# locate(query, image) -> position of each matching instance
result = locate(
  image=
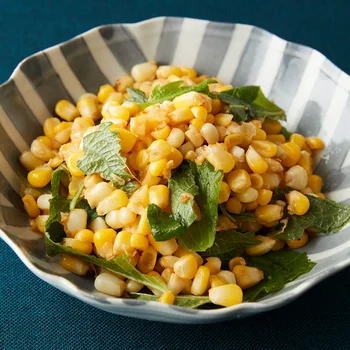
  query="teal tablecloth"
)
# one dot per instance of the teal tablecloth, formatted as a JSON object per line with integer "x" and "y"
{"x": 34, "y": 315}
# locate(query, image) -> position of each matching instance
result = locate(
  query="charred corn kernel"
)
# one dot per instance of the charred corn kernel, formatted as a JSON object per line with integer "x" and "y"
{"x": 85, "y": 235}
{"x": 188, "y": 100}
{"x": 132, "y": 286}
{"x": 267, "y": 149}
{"x": 278, "y": 139}
{"x": 292, "y": 154}
{"x": 238, "y": 260}
{"x": 274, "y": 165}
{"x": 97, "y": 224}
{"x": 189, "y": 72}
{"x": 298, "y": 243}
{"x": 75, "y": 265}
{"x": 265, "y": 245}
{"x": 148, "y": 179}
{"x": 220, "y": 159}
{"x": 176, "y": 157}
{"x": 306, "y": 161}
{"x": 181, "y": 251}
{"x": 223, "y": 119}
{"x": 264, "y": 196}
{"x": 227, "y": 276}
{"x": 40, "y": 222}
{"x": 30, "y": 206}
{"x": 167, "y": 247}
{"x": 41, "y": 151}
{"x": 159, "y": 195}
{"x": 250, "y": 194}
{"x": 77, "y": 221}
{"x": 147, "y": 260}
{"x": 210, "y": 118}
{"x": 103, "y": 236}
{"x": 97, "y": 193}
{"x": 104, "y": 92}
{"x": 257, "y": 181}
{"x": 122, "y": 243}
{"x": 234, "y": 206}
{"x": 179, "y": 116}
{"x": 216, "y": 281}
{"x": 233, "y": 140}
{"x": 247, "y": 276}
{"x": 271, "y": 180}
{"x": 157, "y": 168}
{"x": 298, "y": 203}
{"x": 114, "y": 201}
{"x": 158, "y": 149}
{"x": 167, "y": 298}
{"x": 82, "y": 247}
{"x": 164, "y": 72}
{"x": 315, "y": 183}
{"x": 110, "y": 284}
{"x": 43, "y": 201}
{"x": 298, "y": 140}
{"x": 227, "y": 295}
{"x": 199, "y": 113}
{"x": 127, "y": 139}
{"x": 251, "y": 205}
{"x": 238, "y": 180}
{"x": 210, "y": 133}
{"x": 72, "y": 163}
{"x": 296, "y": 177}
{"x": 260, "y": 135}
{"x": 271, "y": 127}
{"x": 198, "y": 124}
{"x": 123, "y": 82}
{"x": 213, "y": 264}
{"x": 176, "y": 138}
{"x": 49, "y": 127}
{"x": 176, "y": 284}
{"x": 29, "y": 161}
{"x": 139, "y": 200}
{"x": 40, "y": 176}
{"x": 224, "y": 192}
{"x": 255, "y": 161}
{"x": 143, "y": 227}
{"x": 144, "y": 71}
{"x": 87, "y": 106}
{"x": 193, "y": 135}
{"x": 314, "y": 143}
{"x": 269, "y": 213}
{"x": 201, "y": 281}
{"x": 186, "y": 266}
{"x": 161, "y": 134}
{"x": 66, "y": 110}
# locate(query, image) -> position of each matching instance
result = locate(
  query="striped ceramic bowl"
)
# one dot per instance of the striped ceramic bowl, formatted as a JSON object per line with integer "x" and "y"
{"x": 313, "y": 91}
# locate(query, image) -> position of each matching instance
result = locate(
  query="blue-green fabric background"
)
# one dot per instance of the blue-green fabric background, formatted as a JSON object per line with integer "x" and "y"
{"x": 34, "y": 315}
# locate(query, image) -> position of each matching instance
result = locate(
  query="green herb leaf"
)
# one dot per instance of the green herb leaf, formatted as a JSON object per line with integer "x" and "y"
{"x": 324, "y": 216}
{"x": 250, "y": 217}
{"x": 102, "y": 155}
{"x": 287, "y": 134}
{"x": 249, "y": 102}
{"x": 76, "y": 197}
{"x": 279, "y": 269}
{"x": 121, "y": 264}
{"x": 230, "y": 240}
{"x": 136, "y": 95}
{"x": 162, "y": 224}
{"x": 201, "y": 234}
{"x": 92, "y": 214}
{"x": 56, "y": 178}
{"x": 187, "y": 301}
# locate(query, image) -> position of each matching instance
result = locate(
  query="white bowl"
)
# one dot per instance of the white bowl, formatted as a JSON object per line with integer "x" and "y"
{"x": 313, "y": 91}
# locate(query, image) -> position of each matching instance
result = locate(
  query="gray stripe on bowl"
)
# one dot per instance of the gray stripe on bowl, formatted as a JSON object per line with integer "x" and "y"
{"x": 80, "y": 60}
{"x": 168, "y": 41}
{"x": 337, "y": 179}
{"x": 134, "y": 302}
{"x": 123, "y": 45}
{"x": 15, "y": 217}
{"x": 18, "y": 111}
{"x": 9, "y": 150}
{"x": 249, "y": 67}
{"x": 9, "y": 193}
{"x": 213, "y": 47}
{"x": 45, "y": 80}
{"x": 289, "y": 75}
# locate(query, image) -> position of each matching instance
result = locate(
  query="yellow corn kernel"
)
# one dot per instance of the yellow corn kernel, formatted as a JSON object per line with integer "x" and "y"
{"x": 143, "y": 227}
{"x": 41, "y": 151}
{"x": 296, "y": 177}
{"x": 168, "y": 261}
{"x": 251, "y": 206}
{"x": 215, "y": 281}
{"x": 277, "y": 139}
{"x": 274, "y": 165}
{"x": 315, "y": 183}
{"x": 144, "y": 71}
{"x": 220, "y": 159}
{"x": 82, "y": 247}
{"x": 260, "y": 135}
{"x": 224, "y": 193}
{"x": 165, "y": 247}
{"x": 213, "y": 264}
{"x": 292, "y": 154}
{"x": 264, "y": 196}
{"x": 74, "y": 264}
{"x": 139, "y": 241}
{"x": 148, "y": 179}
{"x": 46, "y": 141}
{"x": 167, "y": 298}
{"x": 223, "y": 119}
{"x": 210, "y": 118}
{"x": 227, "y": 295}
{"x": 181, "y": 251}
{"x": 159, "y": 195}
{"x": 49, "y": 127}
{"x": 271, "y": 127}
{"x": 298, "y": 140}
{"x": 238, "y": 260}
{"x": 269, "y": 213}
{"x": 189, "y": 72}
{"x": 193, "y": 135}
{"x": 158, "y": 149}
{"x": 122, "y": 244}
{"x": 164, "y": 72}
{"x": 314, "y": 143}
{"x": 29, "y": 161}
{"x": 233, "y": 140}
{"x": 234, "y": 206}
{"x": 306, "y": 161}
{"x": 142, "y": 159}
{"x": 40, "y": 222}
{"x": 62, "y": 132}
{"x": 257, "y": 181}
{"x": 74, "y": 185}
{"x": 157, "y": 168}
{"x": 147, "y": 260}
{"x": 298, "y": 203}
{"x": 72, "y": 163}
{"x": 161, "y": 134}
{"x": 186, "y": 266}
{"x": 55, "y": 162}
{"x": 266, "y": 149}
{"x": 139, "y": 200}
{"x": 127, "y": 139}
{"x": 250, "y": 194}
{"x": 247, "y": 276}
{"x": 197, "y": 123}
{"x": 66, "y": 110}
{"x": 40, "y": 177}
{"x": 201, "y": 281}
{"x": 271, "y": 180}
{"x": 321, "y": 195}
{"x": 176, "y": 284}
{"x": 138, "y": 126}
{"x": 103, "y": 236}
{"x": 179, "y": 116}
{"x": 115, "y": 200}
{"x": 265, "y": 245}
{"x": 104, "y": 92}
{"x": 238, "y": 180}
{"x": 87, "y": 106}
{"x": 188, "y": 100}
{"x": 298, "y": 243}
{"x": 85, "y": 235}
{"x": 255, "y": 161}
{"x": 31, "y": 206}
{"x": 216, "y": 106}
{"x": 123, "y": 82}
{"x": 199, "y": 113}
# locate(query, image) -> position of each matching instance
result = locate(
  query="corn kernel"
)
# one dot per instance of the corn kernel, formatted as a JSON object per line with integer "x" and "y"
{"x": 147, "y": 260}
{"x": 247, "y": 276}
{"x": 167, "y": 298}
{"x": 298, "y": 243}
{"x": 161, "y": 134}
{"x": 220, "y": 159}
{"x": 277, "y": 139}
{"x": 315, "y": 183}
{"x": 72, "y": 163}
{"x": 256, "y": 163}
{"x": 201, "y": 281}
{"x": 238, "y": 260}
{"x": 103, "y": 236}
{"x": 85, "y": 236}
{"x": 269, "y": 213}
{"x": 167, "y": 247}
{"x": 264, "y": 196}
{"x": 159, "y": 195}
{"x": 314, "y": 143}
{"x": 234, "y": 206}
{"x": 227, "y": 295}
{"x": 82, "y": 247}
{"x": 238, "y": 180}
{"x": 40, "y": 177}
{"x": 298, "y": 203}
{"x": 127, "y": 139}
{"x": 75, "y": 265}
{"x": 271, "y": 127}
{"x": 31, "y": 206}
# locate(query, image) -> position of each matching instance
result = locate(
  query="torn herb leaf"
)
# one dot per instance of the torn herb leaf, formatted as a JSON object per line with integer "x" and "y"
{"x": 245, "y": 216}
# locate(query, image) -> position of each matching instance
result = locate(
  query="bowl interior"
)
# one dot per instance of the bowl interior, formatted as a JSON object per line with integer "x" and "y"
{"x": 313, "y": 91}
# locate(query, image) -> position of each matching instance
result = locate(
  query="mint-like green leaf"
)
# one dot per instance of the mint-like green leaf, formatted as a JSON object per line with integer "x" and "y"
{"x": 57, "y": 176}
{"x": 136, "y": 95}
{"x": 102, "y": 155}
{"x": 76, "y": 197}
{"x": 187, "y": 301}
{"x": 92, "y": 214}
{"x": 245, "y": 216}
{"x": 324, "y": 216}
{"x": 162, "y": 224}
{"x": 121, "y": 264}
{"x": 279, "y": 269}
